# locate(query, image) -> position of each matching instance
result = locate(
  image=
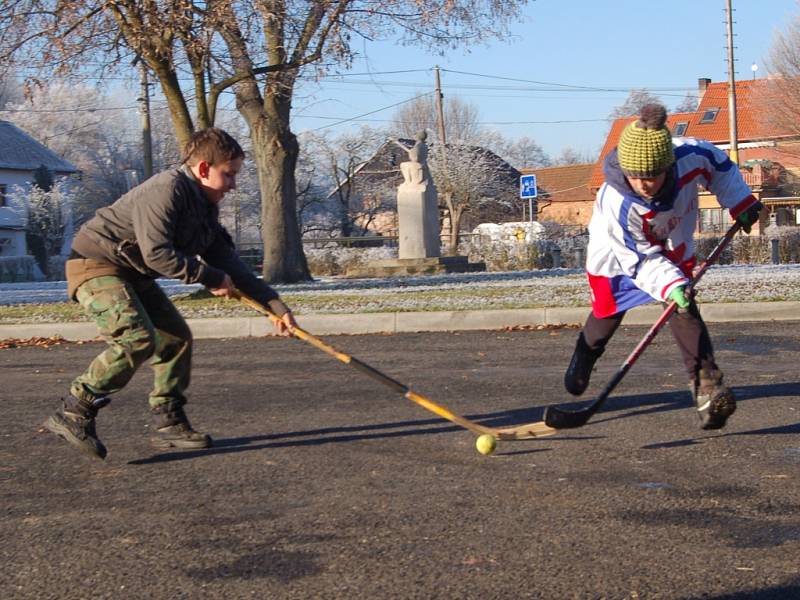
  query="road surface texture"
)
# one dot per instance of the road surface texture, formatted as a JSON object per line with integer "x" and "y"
{"x": 326, "y": 484}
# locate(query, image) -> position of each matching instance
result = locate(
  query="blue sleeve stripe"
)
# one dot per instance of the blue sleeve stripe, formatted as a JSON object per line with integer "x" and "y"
{"x": 602, "y": 194}
{"x": 686, "y": 149}
{"x": 623, "y": 221}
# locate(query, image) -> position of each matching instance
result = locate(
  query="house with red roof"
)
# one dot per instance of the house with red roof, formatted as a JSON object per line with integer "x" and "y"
{"x": 768, "y": 151}
{"x": 563, "y": 194}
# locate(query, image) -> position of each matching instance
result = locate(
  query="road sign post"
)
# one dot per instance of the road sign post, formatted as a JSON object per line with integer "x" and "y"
{"x": 527, "y": 189}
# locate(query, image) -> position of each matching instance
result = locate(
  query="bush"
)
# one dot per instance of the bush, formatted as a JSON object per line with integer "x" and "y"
{"x": 756, "y": 249}
{"x": 19, "y": 268}
{"x": 55, "y": 268}
{"x": 526, "y": 256}
{"x": 336, "y": 261}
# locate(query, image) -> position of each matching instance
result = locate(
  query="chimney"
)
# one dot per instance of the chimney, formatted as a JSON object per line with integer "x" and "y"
{"x": 702, "y": 85}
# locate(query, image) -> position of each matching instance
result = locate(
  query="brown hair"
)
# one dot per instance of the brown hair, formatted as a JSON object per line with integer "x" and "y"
{"x": 212, "y": 145}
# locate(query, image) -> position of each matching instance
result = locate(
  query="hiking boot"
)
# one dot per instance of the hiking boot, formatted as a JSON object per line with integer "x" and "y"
{"x": 576, "y": 379}
{"x": 715, "y": 402}
{"x": 74, "y": 423}
{"x": 173, "y": 429}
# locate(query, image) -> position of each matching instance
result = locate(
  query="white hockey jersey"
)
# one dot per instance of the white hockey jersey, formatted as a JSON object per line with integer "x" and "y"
{"x": 641, "y": 250}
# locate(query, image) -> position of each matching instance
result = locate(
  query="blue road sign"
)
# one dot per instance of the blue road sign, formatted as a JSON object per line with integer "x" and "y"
{"x": 527, "y": 186}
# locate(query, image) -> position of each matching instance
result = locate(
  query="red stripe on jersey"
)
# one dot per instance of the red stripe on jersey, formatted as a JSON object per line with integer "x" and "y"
{"x": 666, "y": 287}
{"x": 742, "y": 206}
{"x": 676, "y": 254}
{"x": 695, "y": 173}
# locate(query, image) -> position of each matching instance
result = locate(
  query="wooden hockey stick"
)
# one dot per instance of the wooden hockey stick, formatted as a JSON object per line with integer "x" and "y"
{"x": 561, "y": 418}
{"x": 519, "y": 432}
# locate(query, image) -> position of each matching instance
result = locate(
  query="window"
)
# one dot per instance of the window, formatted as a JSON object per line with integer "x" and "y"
{"x": 709, "y": 115}
{"x": 714, "y": 220}
{"x": 2, "y": 195}
{"x": 680, "y": 128}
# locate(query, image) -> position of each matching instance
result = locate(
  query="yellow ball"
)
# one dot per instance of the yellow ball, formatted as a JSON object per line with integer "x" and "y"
{"x": 486, "y": 444}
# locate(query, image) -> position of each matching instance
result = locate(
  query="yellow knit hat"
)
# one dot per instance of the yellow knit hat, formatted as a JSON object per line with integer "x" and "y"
{"x": 645, "y": 146}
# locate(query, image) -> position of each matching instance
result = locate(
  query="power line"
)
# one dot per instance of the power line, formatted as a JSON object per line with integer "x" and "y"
{"x": 568, "y": 85}
{"x": 368, "y": 73}
{"x": 372, "y": 112}
{"x": 66, "y": 110}
{"x": 459, "y": 123}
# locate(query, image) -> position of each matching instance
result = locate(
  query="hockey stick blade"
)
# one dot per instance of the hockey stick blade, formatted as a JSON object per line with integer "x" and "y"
{"x": 559, "y": 418}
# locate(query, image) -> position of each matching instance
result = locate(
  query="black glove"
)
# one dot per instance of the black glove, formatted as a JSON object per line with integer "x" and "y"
{"x": 750, "y": 216}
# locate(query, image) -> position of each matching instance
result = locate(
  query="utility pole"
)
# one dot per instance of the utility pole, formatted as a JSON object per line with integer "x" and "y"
{"x": 448, "y": 190}
{"x": 439, "y": 107}
{"x": 144, "y": 107}
{"x": 734, "y": 135}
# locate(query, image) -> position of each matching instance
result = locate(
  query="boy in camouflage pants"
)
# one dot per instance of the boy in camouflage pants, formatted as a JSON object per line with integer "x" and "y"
{"x": 166, "y": 227}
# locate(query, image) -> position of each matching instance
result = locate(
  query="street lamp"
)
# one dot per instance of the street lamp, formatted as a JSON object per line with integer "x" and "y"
{"x": 754, "y": 68}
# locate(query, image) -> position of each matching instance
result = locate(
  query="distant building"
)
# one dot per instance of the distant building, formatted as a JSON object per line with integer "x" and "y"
{"x": 769, "y": 152}
{"x": 20, "y": 156}
{"x": 769, "y": 159}
{"x": 563, "y": 194}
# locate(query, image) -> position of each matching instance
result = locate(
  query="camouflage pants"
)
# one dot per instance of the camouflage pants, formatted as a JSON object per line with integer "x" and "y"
{"x": 138, "y": 322}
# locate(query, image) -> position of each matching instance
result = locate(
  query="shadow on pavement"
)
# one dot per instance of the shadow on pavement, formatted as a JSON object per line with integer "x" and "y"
{"x": 681, "y": 399}
{"x": 329, "y": 435}
{"x": 748, "y": 393}
{"x": 788, "y": 590}
{"x": 659, "y": 402}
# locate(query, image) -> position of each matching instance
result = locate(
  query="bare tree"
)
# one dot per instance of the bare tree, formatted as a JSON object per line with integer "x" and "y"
{"x": 571, "y": 156}
{"x": 636, "y": 99}
{"x": 784, "y": 86}
{"x": 688, "y": 104}
{"x": 46, "y": 205}
{"x": 257, "y": 48}
{"x": 10, "y": 88}
{"x": 460, "y": 119}
{"x": 350, "y": 204}
{"x": 93, "y": 130}
{"x": 476, "y": 179}
{"x": 521, "y": 152}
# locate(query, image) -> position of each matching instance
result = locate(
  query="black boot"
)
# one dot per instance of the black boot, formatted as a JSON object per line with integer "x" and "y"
{"x": 576, "y": 379}
{"x": 715, "y": 402}
{"x": 173, "y": 429}
{"x": 74, "y": 423}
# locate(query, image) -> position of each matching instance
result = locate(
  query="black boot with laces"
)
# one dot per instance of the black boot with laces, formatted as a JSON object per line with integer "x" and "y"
{"x": 173, "y": 429}
{"x": 715, "y": 402}
{"x": 74, "y": 423}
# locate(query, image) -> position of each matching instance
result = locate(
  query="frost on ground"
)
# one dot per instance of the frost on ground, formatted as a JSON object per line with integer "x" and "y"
{"x": 466, "y": 291}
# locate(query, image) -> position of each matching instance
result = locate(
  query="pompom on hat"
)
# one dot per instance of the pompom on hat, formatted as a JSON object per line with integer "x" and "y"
{"x": 645, "y": 146}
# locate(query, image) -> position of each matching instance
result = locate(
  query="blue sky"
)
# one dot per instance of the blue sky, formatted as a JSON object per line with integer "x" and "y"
{"x": 621, "y": 44}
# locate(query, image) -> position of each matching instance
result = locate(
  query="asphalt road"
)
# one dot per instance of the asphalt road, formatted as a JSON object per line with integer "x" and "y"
{"x": 325, "y": 484}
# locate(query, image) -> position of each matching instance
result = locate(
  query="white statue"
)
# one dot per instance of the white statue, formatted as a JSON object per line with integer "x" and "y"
{"x": 415, "y": 169}
{"x": 417, "y": 205}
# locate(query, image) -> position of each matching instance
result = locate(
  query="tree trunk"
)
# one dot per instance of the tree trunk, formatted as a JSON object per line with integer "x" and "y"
{"x": 276, "y": 150}
{"x": 455, "y": 224}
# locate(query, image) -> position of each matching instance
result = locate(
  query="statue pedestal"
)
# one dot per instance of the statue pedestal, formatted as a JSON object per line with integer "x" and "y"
{"x": 404, "y": 267}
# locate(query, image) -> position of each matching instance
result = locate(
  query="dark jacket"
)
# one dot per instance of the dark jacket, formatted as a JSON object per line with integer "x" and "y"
{"x": 166, "y": 227}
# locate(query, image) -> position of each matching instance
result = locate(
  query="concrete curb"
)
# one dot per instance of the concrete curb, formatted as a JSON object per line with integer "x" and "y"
{"x": 397, "y": 322}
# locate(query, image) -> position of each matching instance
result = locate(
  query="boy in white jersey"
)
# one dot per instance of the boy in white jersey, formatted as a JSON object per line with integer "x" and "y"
{"x": 641, "y": 248}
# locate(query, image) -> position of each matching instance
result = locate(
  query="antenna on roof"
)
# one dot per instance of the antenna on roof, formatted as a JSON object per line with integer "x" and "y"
{"x": 734, "y": 136}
